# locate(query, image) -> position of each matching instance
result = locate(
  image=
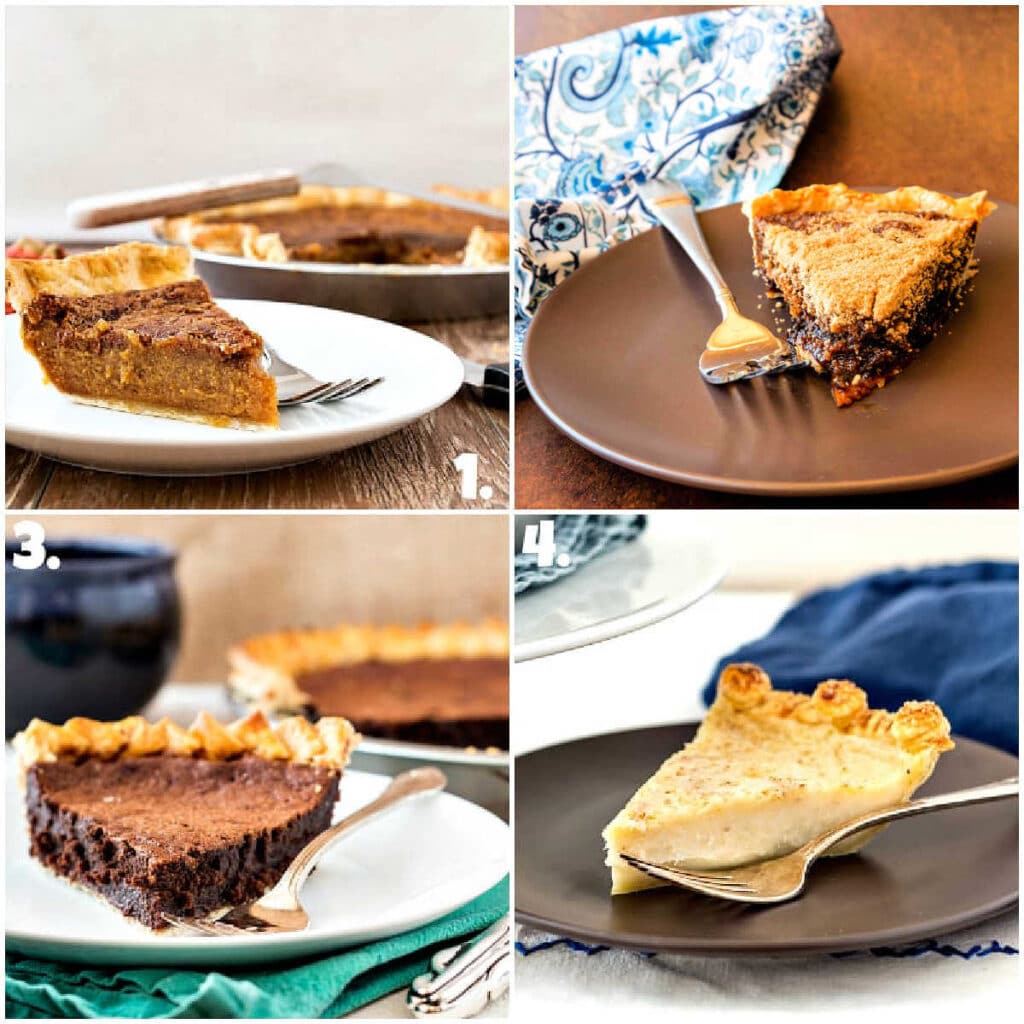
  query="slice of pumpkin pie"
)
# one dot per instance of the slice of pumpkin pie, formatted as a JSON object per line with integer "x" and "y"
{"x": 132, "y": 328}
{"x": 868, "y": 278}
{"x": 768, "y": 771}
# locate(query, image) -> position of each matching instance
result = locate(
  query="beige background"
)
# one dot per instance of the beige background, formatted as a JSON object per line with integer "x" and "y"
{"x": 241, "y": 574}
{"x": 116, "y": 97}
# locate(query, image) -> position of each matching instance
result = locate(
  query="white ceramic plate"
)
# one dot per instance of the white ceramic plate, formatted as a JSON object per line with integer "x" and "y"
{"x": 419, "y": 374}
{"x": 642, "y": 582}
{"x": 419, "y": 863}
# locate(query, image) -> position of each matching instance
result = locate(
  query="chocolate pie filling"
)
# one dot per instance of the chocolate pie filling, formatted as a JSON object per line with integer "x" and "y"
{"x": 453, "y": 701}
{"x": 177, "y": 835}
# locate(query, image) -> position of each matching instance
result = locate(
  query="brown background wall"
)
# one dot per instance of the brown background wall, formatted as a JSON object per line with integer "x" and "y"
{"x": 240, "y": 575}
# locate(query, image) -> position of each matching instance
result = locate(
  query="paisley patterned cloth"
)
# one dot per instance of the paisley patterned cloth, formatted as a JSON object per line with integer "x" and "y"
{"x": 717, "y": 102}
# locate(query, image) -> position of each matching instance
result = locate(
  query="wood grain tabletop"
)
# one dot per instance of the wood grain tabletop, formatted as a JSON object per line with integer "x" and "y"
{"x": 411, "y": 469}
{"x": 922, "y": 95}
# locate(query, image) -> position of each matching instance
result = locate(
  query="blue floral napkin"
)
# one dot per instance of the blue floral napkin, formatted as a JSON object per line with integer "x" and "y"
{"x": 948, "y": 633}
{"x": 717, "y": 102}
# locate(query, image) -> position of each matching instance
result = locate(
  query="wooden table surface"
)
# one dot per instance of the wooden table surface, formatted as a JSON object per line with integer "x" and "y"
{"x": 411, "y": 469}
{"x": 921, "y": 95}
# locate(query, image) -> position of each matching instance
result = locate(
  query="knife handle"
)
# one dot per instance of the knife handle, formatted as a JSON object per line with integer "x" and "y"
{"x": 496, "y": 386}
{"x": 183, "y": 197}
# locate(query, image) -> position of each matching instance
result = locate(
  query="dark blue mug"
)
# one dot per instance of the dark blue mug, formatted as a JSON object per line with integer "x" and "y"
{"x": 96, "y": 636}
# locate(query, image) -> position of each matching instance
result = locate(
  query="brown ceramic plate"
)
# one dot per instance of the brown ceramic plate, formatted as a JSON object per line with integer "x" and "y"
{"x": 611, "y": 358}
{"x": 923, "y": 877}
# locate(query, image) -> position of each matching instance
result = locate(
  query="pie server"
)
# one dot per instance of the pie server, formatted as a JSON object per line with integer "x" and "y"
{"x": 190, "y": 196}
{"x": 739, "y": 348}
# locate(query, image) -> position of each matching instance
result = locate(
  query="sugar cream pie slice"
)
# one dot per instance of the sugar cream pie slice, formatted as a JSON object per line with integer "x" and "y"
{"x": 350, "y": 225}
{"x": 868, "y": 278}
{"x": 132, "y": 328}
{"x": 157, "y": 819}
{"x": 769, "y": 770}
{"x": 444, "y": 684}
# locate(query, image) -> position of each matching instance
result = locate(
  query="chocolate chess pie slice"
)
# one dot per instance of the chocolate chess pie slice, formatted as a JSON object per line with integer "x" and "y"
{"x": 440, "y": 684}
{"x": 350, "y": 225}
{"x": 768, "y": 771}
{"x": 157, "y": 819}
{"x": 132, "y": 328}
{"x": 868, "y": 278}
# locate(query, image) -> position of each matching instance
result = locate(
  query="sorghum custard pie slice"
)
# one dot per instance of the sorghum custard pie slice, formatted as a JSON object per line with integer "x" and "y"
{"x": 868, "y": 278}
{"x": 443, "y": 684}
{"x": 132, "y": 328}
{"x": 350, "y": 225}
{"x": 157, "y": 819}
{"x": 769, "y": 770}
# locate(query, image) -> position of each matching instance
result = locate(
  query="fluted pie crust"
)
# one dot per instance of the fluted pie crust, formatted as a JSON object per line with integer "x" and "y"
{"x": 434, "y": 683}
{"x": 868, "y": 278}
{"x": 769, "y": 770}
{"x": 329, "y": 742}
{"x": 132, "y": 328}
{"x": 350, "y": 225}
{"x": 160, "y": 820}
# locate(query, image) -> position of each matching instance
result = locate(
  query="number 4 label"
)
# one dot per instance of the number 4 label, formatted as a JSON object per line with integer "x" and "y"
{"x": 539, "y": 540}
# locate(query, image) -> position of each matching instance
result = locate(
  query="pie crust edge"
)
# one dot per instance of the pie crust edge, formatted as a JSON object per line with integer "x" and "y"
{"x": 827, "y": 198}
{"x": 242, "y": 238}
{"x": 328, "y": 743}
{"x": 127, "y": 267}
{"x": 264, "y": 669}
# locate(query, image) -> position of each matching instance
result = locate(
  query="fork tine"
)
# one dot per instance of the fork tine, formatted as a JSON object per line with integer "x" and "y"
{"x": 337, "y": 390}
{"x": 312, "y": 395}
{"x": 349, "y": 389}
{"x": 195, "y": 925}
{"x": 725, "y": 888}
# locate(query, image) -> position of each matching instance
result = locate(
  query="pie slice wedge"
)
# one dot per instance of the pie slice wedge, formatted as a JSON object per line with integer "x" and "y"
{"x": 158, "y": 819}
{"x": 868, "y": 278}
{"x": 442, "y": 684}
{"x": 132, "y": 328}
{"x": 769, "y": 770}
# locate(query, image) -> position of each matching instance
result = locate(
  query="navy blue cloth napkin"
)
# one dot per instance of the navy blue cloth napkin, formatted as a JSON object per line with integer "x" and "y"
{"x": 947, "y": 634}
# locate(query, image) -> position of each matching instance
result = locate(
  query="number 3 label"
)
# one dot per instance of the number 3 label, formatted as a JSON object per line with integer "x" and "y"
{"x": 33, "y": 547}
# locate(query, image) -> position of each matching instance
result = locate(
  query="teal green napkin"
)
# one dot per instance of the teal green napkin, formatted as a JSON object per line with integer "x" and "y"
{"x": 328, "y": 986}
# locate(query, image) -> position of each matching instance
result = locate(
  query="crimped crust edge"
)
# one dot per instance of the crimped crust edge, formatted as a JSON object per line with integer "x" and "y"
{"x": 917, "y": 727}
{"x": 328, "y": 743}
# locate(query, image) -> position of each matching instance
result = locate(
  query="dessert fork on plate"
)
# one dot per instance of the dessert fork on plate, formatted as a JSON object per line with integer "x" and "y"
{"x": 296, "y": 387}
{"x": 739, "y": 348}
{"x": 280, "y": 909}
{"x": 780, "y": 879}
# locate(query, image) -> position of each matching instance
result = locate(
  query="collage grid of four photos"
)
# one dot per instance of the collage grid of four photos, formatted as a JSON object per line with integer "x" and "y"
{"x": 511, "y": 511}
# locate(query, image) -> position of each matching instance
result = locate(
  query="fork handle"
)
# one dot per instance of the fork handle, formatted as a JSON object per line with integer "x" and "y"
{"x": 673, "y": 207}
{"x": 1003, "y": 790}
{"x": 402, "y": 787}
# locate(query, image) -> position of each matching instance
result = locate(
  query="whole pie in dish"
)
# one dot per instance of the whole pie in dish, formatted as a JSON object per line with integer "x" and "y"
{"x": 440, "y": 684}
{"x": 132, "y": 328}
{"x": 349, "y": 225}
{"x": 768, "y": 771}
{"x": 869, "y": 278}
{"x": 159, "y": 820}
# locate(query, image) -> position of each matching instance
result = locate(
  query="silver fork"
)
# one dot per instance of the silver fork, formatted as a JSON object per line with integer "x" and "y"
{"x": 774, "y": 881}
{"x": 280, "y": 909}
{"x": 463, "y": 979}
{"x": 739, "y": 348}
{"x": 296, "y": 387}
